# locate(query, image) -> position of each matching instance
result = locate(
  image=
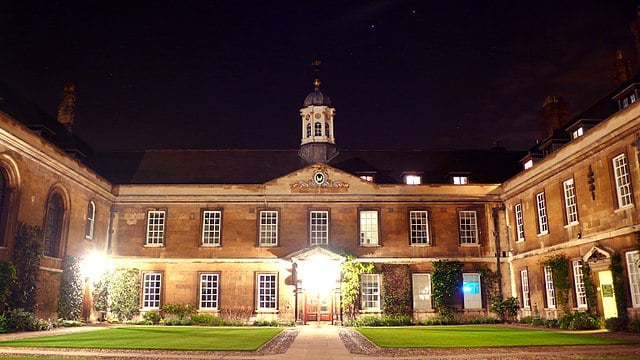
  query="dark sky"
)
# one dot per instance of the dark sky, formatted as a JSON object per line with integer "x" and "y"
{"x": 401, "y": 74}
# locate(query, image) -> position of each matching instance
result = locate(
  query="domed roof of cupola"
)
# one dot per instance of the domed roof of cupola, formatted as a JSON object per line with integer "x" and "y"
{"x": 316, "y": 97}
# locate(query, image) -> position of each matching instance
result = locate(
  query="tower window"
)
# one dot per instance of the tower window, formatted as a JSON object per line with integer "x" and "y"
{"x": 318, "y": 129}
{"x": 327, "y": 131}
{"x": 308, "y": 130}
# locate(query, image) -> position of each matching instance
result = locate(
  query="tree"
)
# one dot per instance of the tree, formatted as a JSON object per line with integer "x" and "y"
{"x": 124, "y": 293}
{"x": 26, "y": 258}
{"x": 7, "y": 282}
{"x": 71, "y": 290}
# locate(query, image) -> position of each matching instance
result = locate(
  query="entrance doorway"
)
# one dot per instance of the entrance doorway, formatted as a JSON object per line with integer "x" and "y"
{"x": 607, "y": 295}
{"x": 318, "y": 307}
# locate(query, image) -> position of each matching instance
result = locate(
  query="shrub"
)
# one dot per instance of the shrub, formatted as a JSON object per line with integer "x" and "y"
{"x": 483, "y": 320}
{"x": 615, "y": 324}
{"x": 20, "y": 320}
{"x": 387, "y": 320}
{"x": 177, "y": 322}
{"x": 124, "y": 293}
{"x": 634, "y": 325}
{"x": 439, "y": 321}
{"x": 206, "y": 320}
{"x": 506, "y": 309}
{"x": 152, "y": 316}
{"x": 71, "y": 290}
{"x": 7, "y": 282}
{"x": 27, "y": 254}
{"x": 266, "y": 323}
{"x": 4, "y": 325}
{"x": 238, "y": 315}
{"x": 579, "y": 321}
{"x": 179, "y": 310}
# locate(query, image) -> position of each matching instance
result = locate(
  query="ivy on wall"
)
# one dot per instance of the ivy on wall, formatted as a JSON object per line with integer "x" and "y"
{"x": 7, "y": 282}
{"x": 71, "y": 290}
{"x": 27, "y": 253}
{"x": 559, "y": 265}
{"x": 397, "y": 289}
{"x": 446, "y": 283}
{"x": 490, "y": 283}
{"x": 351, "y": 271}
{"x": 617, "y": 272}
{"x": 590, "y": 289}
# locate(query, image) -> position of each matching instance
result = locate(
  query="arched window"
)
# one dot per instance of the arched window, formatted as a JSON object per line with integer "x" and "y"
{"x": 318, "y": 129}
{"x": 53, "y": 226}
{"x": 308, "y": 130}
{"x": 327, "y": 131}
{"x": 4, "y": 205}
{"x": 91, "y": 220}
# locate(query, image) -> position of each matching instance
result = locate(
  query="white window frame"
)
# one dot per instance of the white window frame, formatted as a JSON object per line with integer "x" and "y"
{"x": 209, "y": 291}
{"x": 577, "y": 132}
{"x": 156, "y": 220}
{"x": 268, "y": 228}
{"x": 91, "y": 220}
{"x": 472, "y": 300}
{"x": 524, "y": 285}
{"x": 549, "y": 288}
{"x": 528, "y": 164}
{"x": 151, "y": 291}
{"x": 570, "y": 201}
{"x": 368, "y": 227}
{"x": 460, "y": 180}
{"x": 319, "y": 227}
{"x": 419, "y": 227}
{"x": 267, "y": 291}
{"x": 370, "y": 292}
{"x": 622, "y": 176}
{"x": 578, "y": 281}
{"x": 211, "y": 227}
{"x": 519, "y": 217}
{"x": 421, "y": 286}
{"x": 413, "y": 179}
{"x": 468, "y": 227}
{"x": 633, "y": 269}
{"x": 368, "y": 178}
{"x": 543, "y": 220}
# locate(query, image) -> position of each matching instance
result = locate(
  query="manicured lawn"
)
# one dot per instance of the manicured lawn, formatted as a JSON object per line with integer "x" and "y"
{"x": 157, "y": 337}
{"x": 474, "y": 336}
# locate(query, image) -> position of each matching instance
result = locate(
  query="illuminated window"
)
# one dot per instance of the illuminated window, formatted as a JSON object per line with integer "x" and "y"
{"x": 370, "y": 291}
{"x": 419, "y": 227}
{"x": 519, "y": 222}
{"x": 308, "y": 130}
{"x": 268, "y": 228}
{"x": 368, "y": 178}
{"x": 155, "y": 227}
{"x": 318, "y": 129}
{"x": 53, "y": 226}
{"x": 421, "y": 291}
{"x": 623, "y": 181}
{"x": 211, "y": 225}
{"x": 151, "y": 291}
{"x": 327, "y": 131}
{"x": 267, "y": 292}
{"x": 471, "y": 291}
{"x": 548, "y": 284}
{"x": 577, "y": 133}
{"x": 578, "y": 281}
{"x": 632, "y": 98}
{"x": 90, "y": 220}
{"x": 570, "y": 202}
{"x": 319, "y": 227}
{"x": 460, "y": 180}
{"x": 412, "y": 179}
{"x": 209, "y": 291}
{"x": 524, "y": 282}
{"x": 468, "y": 227}
{"x": 541, "y": 206}
{"x": 528, "y": 164}
{"x": 368, "y": 227}
{"x": 633, "y": 263}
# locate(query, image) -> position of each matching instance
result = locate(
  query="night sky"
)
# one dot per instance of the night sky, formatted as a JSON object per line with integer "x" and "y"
{"x": 233, "y": 74}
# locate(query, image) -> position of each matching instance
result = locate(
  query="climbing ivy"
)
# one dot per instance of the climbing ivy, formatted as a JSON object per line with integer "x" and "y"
{"x": 559, "y": 265}
{"x": 446, "y": 282}
{"x": 351, "y": 271}
{"x": 7, "y": 282}
{"x": 617, "y": 272}
{"x": 490, "y": 283}
{"x": 590, "y": 289}
{"x": 397, "y": 289}
{"x": 27, "y": 253}
{"x": 71, "y": 290}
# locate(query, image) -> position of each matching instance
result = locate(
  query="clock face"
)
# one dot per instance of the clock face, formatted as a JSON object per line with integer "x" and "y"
{"x": 319, "y": 178}
{"x": 318, "y": 115}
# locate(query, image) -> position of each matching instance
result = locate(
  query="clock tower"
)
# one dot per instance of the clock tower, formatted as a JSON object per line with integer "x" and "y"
{"x": 318, "y": 143}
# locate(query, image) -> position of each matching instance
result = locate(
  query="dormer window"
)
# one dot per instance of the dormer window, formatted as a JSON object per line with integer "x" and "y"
{"x": 528, "y": 164}
{"x": 627, "y": 96}
{"x": 577, "y": 132}
{"x": 460, "y": 180}
{"x": 412, "y": 179}
{"x": 368, "y": 178}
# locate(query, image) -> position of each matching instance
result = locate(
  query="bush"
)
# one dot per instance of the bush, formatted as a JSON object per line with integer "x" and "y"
{"x": 4, "y": 326}
{"x": 266, "y": 323}
{"x": 634, "y": 325}
{"x": 387, "y": 320}
{"x": 439, "y": 321}
{"x": 20, "y": 320}
{"x": 152, "y": 316}
{"x": 207, "y": 320}
{"x": 176, "y": 322}
{"x": 179, "y": 310}
{"x": 579, "y": 321}
{"x": 483, "y": 320}
{"x": 71, "y": 290}
{"x": 615, "y": 324}
{"x": 506, "y": 309}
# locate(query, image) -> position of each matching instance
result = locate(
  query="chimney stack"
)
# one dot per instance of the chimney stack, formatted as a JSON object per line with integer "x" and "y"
{"x": 623, "y": 69}
{"x": 67, "y": 106}
{"x": 553, "y": 114}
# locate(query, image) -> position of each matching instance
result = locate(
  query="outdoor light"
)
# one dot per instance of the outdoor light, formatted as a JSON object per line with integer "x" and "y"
{"x": 93, "y": 265}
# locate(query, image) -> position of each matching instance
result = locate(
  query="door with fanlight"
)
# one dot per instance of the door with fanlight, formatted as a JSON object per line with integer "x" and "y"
{"x": 318, "y": 306}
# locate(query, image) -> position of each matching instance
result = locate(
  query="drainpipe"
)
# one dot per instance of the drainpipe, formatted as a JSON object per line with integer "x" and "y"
{"x": 112, "y": 212}
{"x": 496, "y": 234}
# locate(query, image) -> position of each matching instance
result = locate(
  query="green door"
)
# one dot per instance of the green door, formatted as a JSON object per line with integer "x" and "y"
{"x": 606, "y": 292}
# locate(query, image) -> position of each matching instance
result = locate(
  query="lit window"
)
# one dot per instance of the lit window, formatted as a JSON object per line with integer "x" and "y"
{"x": 370, "y": 291}
{"x": 211, "y": 224}
{"x": 308, "y": 130}
{"x": 570, "y": 202}
{"x": 90, "y": 221}
{"x": 268, "y": 228}
{"x": 151, "y": 291}
{"x": 578, "y": 280}
{"x": 209, "y": 291}
{"x": 267, "y": 292}
{"x": 53, "y": 226}
{"x": 633, "y": 267}
{"x": 421, "y": 291}
{"x": 471, "y": 291}
{"x": 460, "y": 180}
{"x": 319, "y": 227}
{"x": 318, "y": 129}
{"x": 551, "y": 292}
{"x": 412, "y": 179}
{"x": 524, "y": 282}
{"x": 419, "y": 227}
{"x": 368, "y": 178}
{"x": 368, "y": 227}
{"x": 528, "y": 164}
{"x": 327, "y": 131}
{"x": 577, "y": 133}
{"x": 155, "y": 227}
{"x": 519, "y": 222}
{"x": 468, "y": 227}
{"x": 625, "y": 102}
{"x": 543, "y": 225}
{"x": 632, "y": 98}
{"x": 623, "y": 181}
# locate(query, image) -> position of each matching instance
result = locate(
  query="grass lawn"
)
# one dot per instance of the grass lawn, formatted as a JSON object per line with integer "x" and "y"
{"x": 157, "y": 337}
{"x": 474, "y": 336}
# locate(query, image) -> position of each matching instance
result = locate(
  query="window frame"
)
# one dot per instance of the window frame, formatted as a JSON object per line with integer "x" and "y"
{"x": 270, "y": 229}
{"x": 215, "y": 291}
{"x": 272, "y": 291}
{"x": 157, "y": 295}
{"x": 215, "y": 239}
{"x": 578, "y": 285}
{"x": 519, "y": 219}
{"x": 370, "y": 295}
{"x": 52, "y": 242}
{"x": 622, "y": 181}
{"x": 550, "y": 290}
{"x": 365, "y": 228}
{"x": 413, "y": 179}
{"x": 421, "y": 294}
{"x": 425, "y": 232}
{"x": 524, "y": 289}
{"x": 541, "y": 213}
{"x": 158, "y": 234}
{"x": 570, "y": 198}
{"x": 633, "y": 273}
{"x": 470, "y": 300}
{"x": 90, "y": 223}
{"x": 315, "y": 230}
{"x": 464, "y": 233}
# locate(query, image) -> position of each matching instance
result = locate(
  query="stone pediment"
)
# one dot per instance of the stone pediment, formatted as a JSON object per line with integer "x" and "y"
{"x": 319, "y": 178}
{"x": 315, "y": 252}
{"x": 596, "y": 254}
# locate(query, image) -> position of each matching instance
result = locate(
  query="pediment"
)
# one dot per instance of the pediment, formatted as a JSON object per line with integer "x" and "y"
{"x": 315, "y": 252}
{"x": 319, "y": 178}
{"x": 596, "y": 254}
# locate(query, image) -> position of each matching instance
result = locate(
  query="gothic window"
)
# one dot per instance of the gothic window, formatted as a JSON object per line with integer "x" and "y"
{"x": 53, "y": 226}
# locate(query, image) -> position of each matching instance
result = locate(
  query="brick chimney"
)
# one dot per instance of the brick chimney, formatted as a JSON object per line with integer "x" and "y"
{"x": 623, "y": 68}
{"x": 553, "y": 114}
{"x": 67, "y": 106}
